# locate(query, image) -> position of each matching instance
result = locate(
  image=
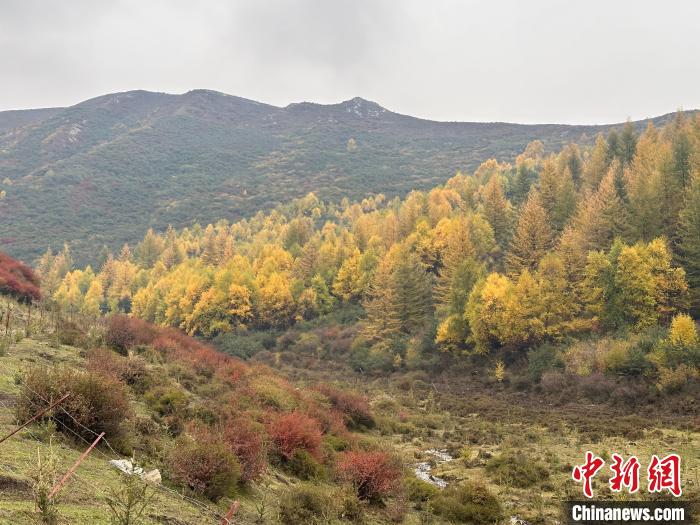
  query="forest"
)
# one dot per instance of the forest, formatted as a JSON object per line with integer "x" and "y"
{"x": 542, "y": 256}
{"x": 438, "y": 358}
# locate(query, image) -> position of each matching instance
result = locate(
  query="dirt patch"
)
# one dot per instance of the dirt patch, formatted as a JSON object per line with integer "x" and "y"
{"x": 10, "y": 485}
{"x": 7, "y": 399}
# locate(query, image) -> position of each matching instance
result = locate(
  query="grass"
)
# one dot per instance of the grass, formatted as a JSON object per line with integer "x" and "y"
{"x": 481, "y": 424}
{"x": 486, "y": 427}
{"x": 82, "y": 500}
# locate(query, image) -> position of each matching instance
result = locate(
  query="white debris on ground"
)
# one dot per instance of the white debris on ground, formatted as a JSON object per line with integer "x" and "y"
{"x": 514, "y": 520}
{"x": 423, "y": 469}
{"x": 127, "y": 467}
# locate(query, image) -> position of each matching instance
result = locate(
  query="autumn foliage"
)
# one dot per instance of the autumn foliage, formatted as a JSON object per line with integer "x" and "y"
{"x": 245, "y": 440}
{"x": 353, "y": 407}
{"x": 373, "y": 474}
{"x": 124, "y": 333}
{"x": 295, "y": 431}
{"x": 206, "y": 466}
{"x": 96, "y": 403}
{"x": 18, "y": 280}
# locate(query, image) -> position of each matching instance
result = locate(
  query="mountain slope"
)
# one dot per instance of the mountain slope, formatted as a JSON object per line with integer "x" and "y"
{"x": 128, "y": 161}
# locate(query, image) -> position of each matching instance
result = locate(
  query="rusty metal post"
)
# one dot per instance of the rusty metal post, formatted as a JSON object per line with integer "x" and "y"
{"x": 36, "y": 416}
{"x": 70, "y": 472}
{"x": 231, "y": 511}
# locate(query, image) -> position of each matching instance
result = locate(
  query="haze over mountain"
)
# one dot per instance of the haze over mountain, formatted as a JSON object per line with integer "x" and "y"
{"x": 124, "y": 162}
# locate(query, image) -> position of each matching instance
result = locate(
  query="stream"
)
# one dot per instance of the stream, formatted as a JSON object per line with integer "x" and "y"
{"x": 423, "y": 469}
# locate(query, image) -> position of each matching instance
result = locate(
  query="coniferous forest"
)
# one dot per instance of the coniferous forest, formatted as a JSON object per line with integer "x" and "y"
{"x": 479, "y": 307}
{"x": 581, "y": 253}
{"x": 432, "y": 358}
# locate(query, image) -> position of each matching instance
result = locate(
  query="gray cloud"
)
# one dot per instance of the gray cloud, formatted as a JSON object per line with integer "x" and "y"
{"x": 525, "y": 61}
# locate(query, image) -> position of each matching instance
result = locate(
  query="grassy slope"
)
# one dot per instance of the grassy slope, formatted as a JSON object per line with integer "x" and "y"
{"x": 469, "y": 415}
{"x": 83, "y": 498}
{"x": 466, "y": 412}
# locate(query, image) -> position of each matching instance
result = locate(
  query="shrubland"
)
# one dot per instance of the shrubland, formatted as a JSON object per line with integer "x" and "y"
{"x": 511, "y": 317}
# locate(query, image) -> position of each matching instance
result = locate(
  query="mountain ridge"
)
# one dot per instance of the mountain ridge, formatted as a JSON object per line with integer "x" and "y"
{"x": 5, "y": 114}
{"x": 124, "y": 162}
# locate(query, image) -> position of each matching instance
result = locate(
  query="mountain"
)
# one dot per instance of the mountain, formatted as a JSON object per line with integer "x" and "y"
{"x": 22, "y": 117}
{"x": 105, "y": 170}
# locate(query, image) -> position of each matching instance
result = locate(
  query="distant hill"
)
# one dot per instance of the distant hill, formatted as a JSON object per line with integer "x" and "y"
{"x": 22, "y": 117}
{"x": 105, "y": 170}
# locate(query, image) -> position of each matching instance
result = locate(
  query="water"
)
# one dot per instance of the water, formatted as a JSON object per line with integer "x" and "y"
{"x": 423, "y": 469}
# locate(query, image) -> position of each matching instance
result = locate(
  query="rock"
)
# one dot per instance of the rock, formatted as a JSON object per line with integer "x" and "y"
{"x": 128, "y": 468}
{"x": 152, "y": 476}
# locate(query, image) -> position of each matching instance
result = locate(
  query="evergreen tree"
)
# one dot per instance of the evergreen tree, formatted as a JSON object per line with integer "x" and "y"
{"x": 399, "y": 302}
{"x": 570, "y": 158}
{"x": 689, "y": 247}
{"x": 497, "y": 210}
{"x": 533, "y": 236}
{"x": 627, "y": 144}
{"x": 596, "y": 166}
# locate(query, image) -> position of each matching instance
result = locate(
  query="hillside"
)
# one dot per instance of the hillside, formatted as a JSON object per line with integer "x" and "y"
{"x": 462, "y": 428}
{"x": 498, "y": 326}
{"x": 103, "y": 171}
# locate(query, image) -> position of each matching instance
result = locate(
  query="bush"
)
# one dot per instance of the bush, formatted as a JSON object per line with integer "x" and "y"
{"x": 373, "y": 474}
{"x": 350, "y": 507}
{"x": 96, "y": 403}
{"x": 354, "y": 407}
{"x": 132, "y": 370}
{"x": 273, "y": 392}
{"x": 596, "y": 387}
{"x": 555, "y": 381}
{"x": 542, "y": 359}
{"x": 467, "y": 503}
{"x": 516, "y": 469}
{"x": 304, "y": 466}
{"x": 307, "y": 503}
{"x": 206, "y": 467}
{"x": 419, "y": 491}
{"x": 674, "y": 380}
{"x": 106, "y": 363}
{"x": 379, "y": 357}
{"x": 167, "y": 401}
{"x": 18, "y": 280}
{"x": 293, "y": 431}
{"x": 125, "y": 332}
{"x": 245, "y": 439}
{"x": 69, "y": 334}
{"x": 245, "y": 345}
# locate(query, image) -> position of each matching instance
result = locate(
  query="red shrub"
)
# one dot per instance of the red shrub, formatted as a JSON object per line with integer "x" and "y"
{"x": 246, "y": 441}
{"x": 205, "y": 360}
{"x": 106, "y": 363}
{"x": 205, "y": 466}
{"x": 354, "y": 407}
{"x": 293, "y": 431}
{"x": 125, "y": 332}
{"x": 18, "y": 280}
{"x": 330, "y": 421}
{"x": 373, "y": 474}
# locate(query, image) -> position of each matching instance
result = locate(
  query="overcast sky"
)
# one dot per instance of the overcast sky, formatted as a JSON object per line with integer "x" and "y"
{"x": 523, "y": 61}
